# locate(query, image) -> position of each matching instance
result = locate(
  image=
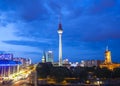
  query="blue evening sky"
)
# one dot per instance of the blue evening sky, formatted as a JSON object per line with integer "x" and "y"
{"x": 29, "y": 27}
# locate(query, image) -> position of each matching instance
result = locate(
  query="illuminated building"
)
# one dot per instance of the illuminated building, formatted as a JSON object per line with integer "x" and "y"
{"x": 44, "y": 57}
{"x": 108, "y": 62}
{"x": 107, "y": 56}
{"x": 65, "y": 61}
{"x": 60, "y": 31}
{"x": 50, "y": 56}
{"x": 24, "y": 61}
{"x": 47, "y": 57}
{"x": 90, "y": 63}
{"x": 28, "y": 62}
{"x": 8, "y": 67}
{"x": 6, "y": 56}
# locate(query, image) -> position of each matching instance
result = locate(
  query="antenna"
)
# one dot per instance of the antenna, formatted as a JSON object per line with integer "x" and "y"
{"x": 107, "y": 48}
{"x": 59, "y": 15}
{"x": 60, "y": 20}
{"x": 107, "y": 45}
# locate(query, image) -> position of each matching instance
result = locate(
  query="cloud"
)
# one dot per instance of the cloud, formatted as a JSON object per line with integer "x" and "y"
{"x": 102, "y": 6}
{"x": 36, "y": 44}
{"x": 34, "y": 10}
{"x": 29, "y": 26}
{"x": 8, "y": 30}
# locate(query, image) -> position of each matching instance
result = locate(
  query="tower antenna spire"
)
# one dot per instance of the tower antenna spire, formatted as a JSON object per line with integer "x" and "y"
{"x": 60, "y": 21}
{"x": 60, "y": 16}
{"x": 107, "y": 48}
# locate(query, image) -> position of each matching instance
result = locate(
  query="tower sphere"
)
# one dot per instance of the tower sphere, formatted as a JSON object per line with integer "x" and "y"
{"x": 60, "y": 31}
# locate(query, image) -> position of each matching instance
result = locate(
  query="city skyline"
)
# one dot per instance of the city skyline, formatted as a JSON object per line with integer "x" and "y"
{"x": 30, "y": 27}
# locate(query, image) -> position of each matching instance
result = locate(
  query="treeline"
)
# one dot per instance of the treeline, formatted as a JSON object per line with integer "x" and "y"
{"x": 81, "y": 74}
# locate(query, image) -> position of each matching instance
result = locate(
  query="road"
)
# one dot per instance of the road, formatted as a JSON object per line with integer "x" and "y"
{"x": 26, "y": 82}
{"x": 24, "y": 77}
{"x": 17, "y": 83}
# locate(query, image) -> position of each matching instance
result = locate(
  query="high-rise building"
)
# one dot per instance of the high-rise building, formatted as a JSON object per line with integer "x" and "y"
{"x": 50, "y": 56}
{"x": 47, "y": 56}
{"x": 60, "y": 31}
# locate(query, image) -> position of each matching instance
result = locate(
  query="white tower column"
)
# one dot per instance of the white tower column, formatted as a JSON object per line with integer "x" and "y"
{"x": 60, "y": 49}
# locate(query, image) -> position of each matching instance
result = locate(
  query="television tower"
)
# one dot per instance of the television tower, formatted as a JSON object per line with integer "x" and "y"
{"x": 60, "y": 31}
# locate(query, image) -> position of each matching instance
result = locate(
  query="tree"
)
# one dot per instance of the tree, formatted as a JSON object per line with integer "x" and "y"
{"x": 43, "y": 69}
{"x": 103, "y": 73}
{"x": 116, "y": 73}
{"x": 81, "y": 73}
{"x": 59, "y": 73}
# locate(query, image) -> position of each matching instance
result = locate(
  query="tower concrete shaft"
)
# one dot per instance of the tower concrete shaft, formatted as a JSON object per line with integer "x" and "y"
{"x": 60, "y": 49}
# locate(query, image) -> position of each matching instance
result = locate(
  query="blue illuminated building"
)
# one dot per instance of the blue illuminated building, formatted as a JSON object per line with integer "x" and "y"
{"x": 7, "y": 65}
{"x": 6, "y": 56}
